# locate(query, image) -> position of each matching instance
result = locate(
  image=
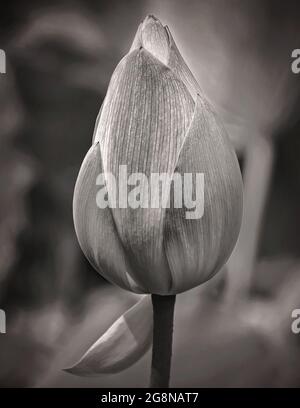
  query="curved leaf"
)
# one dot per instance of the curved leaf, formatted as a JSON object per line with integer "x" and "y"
{"x": 124, "y": 343}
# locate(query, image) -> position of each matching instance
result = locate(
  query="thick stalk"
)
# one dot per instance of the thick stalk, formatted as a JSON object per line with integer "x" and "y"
{"x": 163, "y": 315}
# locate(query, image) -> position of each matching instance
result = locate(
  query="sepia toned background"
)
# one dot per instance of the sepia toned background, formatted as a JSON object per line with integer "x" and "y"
{"x": 236, "y": 329}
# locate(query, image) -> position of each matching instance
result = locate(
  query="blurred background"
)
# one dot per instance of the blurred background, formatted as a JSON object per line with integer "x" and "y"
{"x": 236, "y": 329}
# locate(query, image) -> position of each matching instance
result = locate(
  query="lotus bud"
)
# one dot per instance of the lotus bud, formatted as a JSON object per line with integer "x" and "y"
{"x": 155, "y": 120}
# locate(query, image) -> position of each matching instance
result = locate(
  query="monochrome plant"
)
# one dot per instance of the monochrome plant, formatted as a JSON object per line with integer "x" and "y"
{"x": 154, "y": 119}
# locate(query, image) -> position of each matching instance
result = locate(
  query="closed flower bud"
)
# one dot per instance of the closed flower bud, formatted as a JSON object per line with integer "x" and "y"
{"x": 155, "y": 120}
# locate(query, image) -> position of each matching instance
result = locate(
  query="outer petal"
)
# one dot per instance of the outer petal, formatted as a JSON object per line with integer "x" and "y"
{"x": 144, "y": 119}
{"x": 113, "y": 87}
{"x": 197, "y": 248}
{"x": 124, "y": 343}
{"x": 95, "y": 228}
{"x": 96, "y": 125}
{"x": 179, "y": 66}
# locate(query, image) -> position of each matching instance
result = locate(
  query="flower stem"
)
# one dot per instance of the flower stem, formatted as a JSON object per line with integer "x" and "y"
{"x": 163, "y": 314}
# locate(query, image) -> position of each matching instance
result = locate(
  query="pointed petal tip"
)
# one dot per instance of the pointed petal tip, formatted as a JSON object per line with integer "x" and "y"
{"x": 67, "y": 370}
{"x": 155, "y": 38}
{"x": 151, "y": 17}
{"x": 71, "y": 370}
{"x": 79, "y": 371}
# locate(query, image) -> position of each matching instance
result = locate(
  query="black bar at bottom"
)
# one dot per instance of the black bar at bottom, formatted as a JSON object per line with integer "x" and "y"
{"x": 93, "y": 397}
